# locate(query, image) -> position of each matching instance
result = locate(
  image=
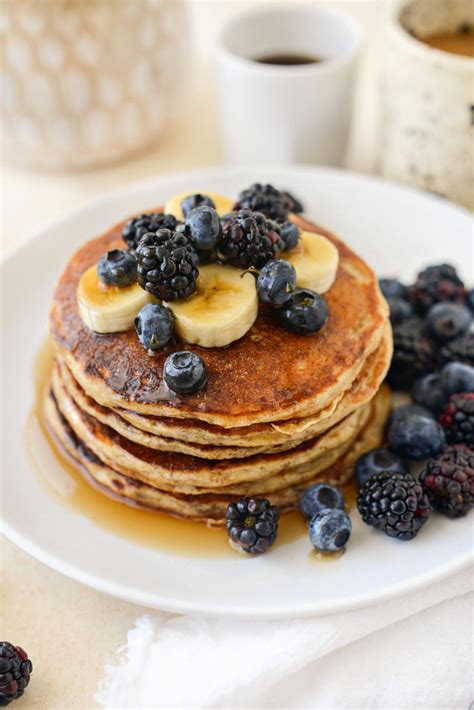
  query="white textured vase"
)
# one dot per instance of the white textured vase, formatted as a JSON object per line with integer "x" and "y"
{"x": 428, "y": 137}
{"x": 86, "y": 82}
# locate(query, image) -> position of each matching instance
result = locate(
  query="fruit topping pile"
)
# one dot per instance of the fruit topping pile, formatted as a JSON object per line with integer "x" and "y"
{"x": 197, "y": 272}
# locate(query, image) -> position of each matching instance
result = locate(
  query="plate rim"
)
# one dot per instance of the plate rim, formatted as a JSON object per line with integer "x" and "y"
{"x": 153, "y": 600}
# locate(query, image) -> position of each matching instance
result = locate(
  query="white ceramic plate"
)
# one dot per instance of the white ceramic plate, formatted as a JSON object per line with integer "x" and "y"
{"x": 396, "y": 230}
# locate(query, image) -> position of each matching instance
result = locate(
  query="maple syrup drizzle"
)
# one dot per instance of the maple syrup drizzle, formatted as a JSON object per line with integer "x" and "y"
{"x": 69, "y": 483}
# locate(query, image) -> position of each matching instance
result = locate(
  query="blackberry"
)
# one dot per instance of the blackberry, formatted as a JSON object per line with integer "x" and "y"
{"x": 296, "y": 206}
{"x": 249, "y": 239}
{"x": 457, "y": 419}
{"x": 458, "y": 350}
{"x": 167, "y": 265}
{"x": 449, "y": 481}
{"x": 152, "y": 222}
{"x": 252, "y": 524}
{"x": 413, "y": 354}
{"x": 15, "y": 671}
{"x": 394, "y": 503}
{"x": 435, "y": 284}
{"x": 267, "y": 200}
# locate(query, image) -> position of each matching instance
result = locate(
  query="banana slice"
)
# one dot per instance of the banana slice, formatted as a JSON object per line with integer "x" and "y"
{"x": 315, "y": 259}
{"x": 109, "y": 309}
{"x": 223, "y": 204}
{"x": 222, "y": 310}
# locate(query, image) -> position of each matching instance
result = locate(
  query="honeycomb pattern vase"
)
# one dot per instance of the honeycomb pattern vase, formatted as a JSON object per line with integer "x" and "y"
{"x": 85, "y": 82}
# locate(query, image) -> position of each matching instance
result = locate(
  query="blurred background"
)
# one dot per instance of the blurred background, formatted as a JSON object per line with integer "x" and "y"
{"x": 100, "y": 93}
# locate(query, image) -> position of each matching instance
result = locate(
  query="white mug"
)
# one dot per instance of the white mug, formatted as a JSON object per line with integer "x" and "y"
{"x": 287, "y": 113}
{"x": 428, "y": 135}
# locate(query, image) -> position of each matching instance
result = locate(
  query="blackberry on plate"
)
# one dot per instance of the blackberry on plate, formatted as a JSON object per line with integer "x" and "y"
{"x": 167, "y": 265}
{"x": 434, "y": 284}
{"x": 458, "y": 350}
{"x": 276, "y": 282}
{"x": 446, "y": 321}
{"x": 304, "y": 313}
{"x": 413, "y": 354}
{"x": 152, "y": 222}
{"x": 15, "y": 671}
{"x": 392, "y": 288}
{"x": 399, "y": 310}
{"x": 320, "y": 497}
{"x": 457, "y": 377}
{"x": 249, "y": 239}
{"x": 406, "y": 409}
{"x": 394, "y": 503}
{"x": 416, "y": 437}
{"x": 192, "y": 201}
{"x": 252, "y": 524}
{"x": 330, "y": 530}
{"x": 377, "y": 461}
{"x": 290, "y": 234}
{"x": 203, "y": 227}
{"x": 117, "y": 268}
{"x": 267, "y": 200}
{"x": 154, "y": 326}
{"x": 428, "y": 392}
{"x": 449, "y": 481}
{"x": 185, "y": 372}
{"x": 457, "y": 419}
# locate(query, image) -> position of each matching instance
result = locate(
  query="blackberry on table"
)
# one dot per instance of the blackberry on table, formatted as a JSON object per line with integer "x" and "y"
{"x": 167, "y": 265}
{"x": 249, "y": 239}
{"x": 252, "y": 524}
{"x": 267, "y": 200}
{"x": 138, "y": 226}
{"x": 413, "y": 354}
{"x": 449, "y": 481}
{"x": 435, "y": 284}
{"x": 394, "y": 503}
{"x": 15, "y": 671}
{"x": 457, "y": 419}
{"x": 458, "y": 350}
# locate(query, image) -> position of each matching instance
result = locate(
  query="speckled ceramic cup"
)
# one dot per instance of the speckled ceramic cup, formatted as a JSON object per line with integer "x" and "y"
{"x": 428, "y": 99}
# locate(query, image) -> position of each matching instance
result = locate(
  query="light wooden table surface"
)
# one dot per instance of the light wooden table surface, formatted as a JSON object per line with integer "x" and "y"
{"x": 69, "y": 630}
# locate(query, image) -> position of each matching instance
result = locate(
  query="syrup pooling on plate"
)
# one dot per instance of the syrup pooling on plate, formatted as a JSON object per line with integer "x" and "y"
{"x": 74, "y": 489}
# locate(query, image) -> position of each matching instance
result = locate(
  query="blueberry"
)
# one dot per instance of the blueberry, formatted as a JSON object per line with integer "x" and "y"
{"x": 290, "y": 235}
{"x": 470, "y": 299}
{"x": 391, "y": 288}
{"x": 416, "y": 437}
{"x": 330, "y": 529}
{"x": 154, "y": 326}
{"x": 184, "y": 372}
{"x": 377, "y": 461}
{"x": 406, "y": 409}
{"x": 117, "y": 268}
{"x": 276, "y": 281}
{"x": 318, "y": 497}
{"x": 305, "y": 312}
{"x": 457, "y": 377}
{"x": 428, "y": 392}
{"x": 446, "y": 321}
{"x": 399, "y": 310}
{"x": 192, "y": 201}
{"x": 204, "y": 227}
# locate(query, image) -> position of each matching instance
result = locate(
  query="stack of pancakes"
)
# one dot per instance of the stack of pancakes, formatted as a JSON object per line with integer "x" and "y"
{"x": 280, "y": 411}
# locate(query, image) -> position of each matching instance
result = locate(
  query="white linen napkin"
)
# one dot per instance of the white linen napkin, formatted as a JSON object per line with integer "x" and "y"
{"x": 411, "y": 652}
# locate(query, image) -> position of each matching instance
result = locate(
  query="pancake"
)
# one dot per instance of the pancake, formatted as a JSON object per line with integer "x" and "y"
{"x": 308, "y": 374}
{"x": 207, "y": 507}
{"x": 178, "y": 472}
{"x": 137, "y": 428}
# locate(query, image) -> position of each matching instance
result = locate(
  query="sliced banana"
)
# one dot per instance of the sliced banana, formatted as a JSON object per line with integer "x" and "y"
{"x": 315, "y": 259}
{"x": 109, "y": 309}
{"x": 222, "y": 310}
{"x": 223, "y": 204}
